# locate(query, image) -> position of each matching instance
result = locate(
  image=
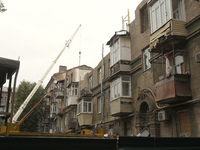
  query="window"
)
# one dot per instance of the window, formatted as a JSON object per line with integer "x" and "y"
{"x": 164, "y": 10}
{"x": 115, "y": 53}
{"x": 109, "y": 70}
{"x": 54, "y": 108}
{"x": 146, "y": 58}
{"x": 72, "y": 90}
{"x": 183, "y": 124}
{"x": 180, "y": 66}
{"x": 177, "y": 9}
{"x": 99, "y": 75}
{"x": 73, "y": 114}
{"x": 90, "y": 83}
{"x": 85, "y": 106}
{"x": 144, "y": 19}
{"x": 120, "y": 87}
{"x": 126, "y": 86}
{"x": 99, "y": 105}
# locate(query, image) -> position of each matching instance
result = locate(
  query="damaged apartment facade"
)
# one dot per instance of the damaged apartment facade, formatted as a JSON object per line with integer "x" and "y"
{"x": 148, "y": 83}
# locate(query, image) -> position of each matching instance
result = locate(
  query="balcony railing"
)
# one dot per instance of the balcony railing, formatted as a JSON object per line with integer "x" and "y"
{"x": 121, "y": 107}
{"x": 174, "y": 89}
{"x": 171, "y": 28}
{"x": 59, "y": 94}
{"x": 71, "y": 101}
{"x": 123, "y": 66}
{"x": 85, "y": 119}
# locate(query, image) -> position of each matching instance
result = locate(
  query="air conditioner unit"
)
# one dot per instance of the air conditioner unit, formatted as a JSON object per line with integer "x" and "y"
{"x": 163, "y": 115}
{"x": 197, "y": 57}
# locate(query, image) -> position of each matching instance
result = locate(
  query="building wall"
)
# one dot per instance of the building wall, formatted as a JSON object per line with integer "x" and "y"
{"x": 143, "y": 86}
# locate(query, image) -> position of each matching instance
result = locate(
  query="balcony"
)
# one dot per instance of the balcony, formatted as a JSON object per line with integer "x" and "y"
{"x": 71, "y": 101}
{"x": 59, "y": 94}
{"x": 174, "y": 89}
{"x": 173, "y": 28}
{"x": 85, "y": 119}
{"x": 121, "y": 107}
{"x": 121, "y": 66}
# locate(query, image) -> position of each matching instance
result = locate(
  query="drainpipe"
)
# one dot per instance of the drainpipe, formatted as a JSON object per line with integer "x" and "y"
{"x": 102, "y": 92}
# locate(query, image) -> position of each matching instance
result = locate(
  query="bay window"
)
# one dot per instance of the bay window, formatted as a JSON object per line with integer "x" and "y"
{"x": 85, "y": 106}
{"x": 121, "y": 87}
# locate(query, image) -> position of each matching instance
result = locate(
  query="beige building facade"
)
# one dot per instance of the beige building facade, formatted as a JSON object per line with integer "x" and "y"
{"x": 149, "y": 82}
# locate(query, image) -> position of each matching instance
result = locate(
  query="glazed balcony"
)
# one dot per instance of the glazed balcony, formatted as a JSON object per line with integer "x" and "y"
{"x": 121, "y": 107}
{"x": 174, "y": 89}
{"x": 173, "y": 30}
{"x": 85, "y": 119}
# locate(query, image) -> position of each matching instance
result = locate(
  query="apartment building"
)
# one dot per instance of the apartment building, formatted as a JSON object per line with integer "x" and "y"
{"x": 149, "y": 82}
{"x": 165, "y": 40}
{"x": 63, "y": 87}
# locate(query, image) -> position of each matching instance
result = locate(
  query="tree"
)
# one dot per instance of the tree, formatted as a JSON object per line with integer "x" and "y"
{"x": 31, "y": 122}
{"x": 2, "y": 9}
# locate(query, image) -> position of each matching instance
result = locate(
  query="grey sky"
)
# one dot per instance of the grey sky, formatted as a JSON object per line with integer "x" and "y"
{"x": 36, "y": 31}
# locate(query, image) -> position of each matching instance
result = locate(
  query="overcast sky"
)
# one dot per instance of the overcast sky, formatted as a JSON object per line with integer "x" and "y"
{"x": 35, "y": 31}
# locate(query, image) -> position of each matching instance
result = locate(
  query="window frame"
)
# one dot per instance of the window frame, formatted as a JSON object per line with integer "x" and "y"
{"x": 89, "y": 106}
{"x": 146, "y": 62}
{"x": 161, "y": 11}
{"x": 72, "y": 90}
{"x": 116, "y": 88}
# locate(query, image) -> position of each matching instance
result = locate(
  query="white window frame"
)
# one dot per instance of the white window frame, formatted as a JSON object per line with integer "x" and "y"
{"x": 116, "y": 88}
{"x": 89, "y": 106}
{"x": 115, "y": 52}
{"x": 146, "y": 58}
{"x": 161, "y": 12}
{"x": 54, "y": 107}
{"x": 72, "y": 90}
{"x": 99, "y": 105}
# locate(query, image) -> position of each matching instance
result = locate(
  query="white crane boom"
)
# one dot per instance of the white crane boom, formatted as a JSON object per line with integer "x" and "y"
{"x": 23, "y": 106}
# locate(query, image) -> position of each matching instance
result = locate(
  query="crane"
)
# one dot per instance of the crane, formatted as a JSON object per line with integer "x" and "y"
{"x": 24, "y": 104}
